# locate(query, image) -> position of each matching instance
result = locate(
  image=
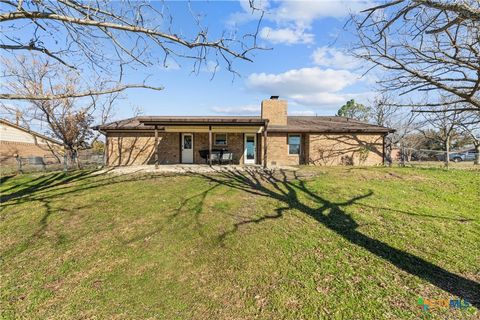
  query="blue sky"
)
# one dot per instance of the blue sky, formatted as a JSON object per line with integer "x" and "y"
{"x": 307, "y": 63}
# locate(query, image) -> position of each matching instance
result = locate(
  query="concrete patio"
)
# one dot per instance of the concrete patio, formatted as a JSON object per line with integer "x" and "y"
{"x": 188, "y": 168}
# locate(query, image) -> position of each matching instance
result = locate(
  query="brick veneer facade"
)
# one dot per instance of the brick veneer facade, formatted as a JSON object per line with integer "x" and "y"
{"x": 316, "y": 149}
{"x": 345, "y": 149}
{"x": 275, "y": 111}
{"x": 326, "y": 149}
{"x": 139, "y": 148}
{"x": 277, "y": 150}
{"x": 234, "y": 145}
{"x": 9, "y": 149}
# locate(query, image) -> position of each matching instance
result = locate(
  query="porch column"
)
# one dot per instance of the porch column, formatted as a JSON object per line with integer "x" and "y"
{"x": 210, "y": 145}
{"x": 156, "y": 147}
{"x": 265, "y": 135}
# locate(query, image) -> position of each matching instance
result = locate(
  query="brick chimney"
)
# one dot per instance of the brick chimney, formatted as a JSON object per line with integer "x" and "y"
{"x": 275, "y": 111}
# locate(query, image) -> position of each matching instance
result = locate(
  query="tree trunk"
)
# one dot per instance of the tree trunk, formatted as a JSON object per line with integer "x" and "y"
{"x": 402, "y": 155}
{"x": 447, "y": 152}
{"x": 477, "y": 153}
{"x": 73, "y": 159}
{"x": 77, "y": 162}
{"x": 388, "y": 153}
{"x": 409, "y": 156}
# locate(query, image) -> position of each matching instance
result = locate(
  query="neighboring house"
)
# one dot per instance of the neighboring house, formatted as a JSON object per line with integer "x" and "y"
{"x": 16, "y": 141}
{"x": 290, "y": 140}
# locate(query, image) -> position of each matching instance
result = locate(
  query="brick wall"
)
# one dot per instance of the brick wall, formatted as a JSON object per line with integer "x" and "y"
{"x": 8, "y": 150}
{"x": 277, "y": 150}
{"x": 138, "y": 148}
{"x": 234, "y": 144}
{"x": 345, "y": 149}
{"x": 275, "y": 111}
{"x": 317, "y": 149}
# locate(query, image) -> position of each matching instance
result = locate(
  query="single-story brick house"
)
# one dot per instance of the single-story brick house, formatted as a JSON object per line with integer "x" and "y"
{"x": 271, "y": 139}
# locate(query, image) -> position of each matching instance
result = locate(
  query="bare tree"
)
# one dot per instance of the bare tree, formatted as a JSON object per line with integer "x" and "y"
{"x": 471, "y": 128}
{"x": 383, "y": 111}
{"x": 67, "y": 119}
{"x": 446, "y": 127}
{"x": 427, "y": 47}
{"x": 110, "y": 38}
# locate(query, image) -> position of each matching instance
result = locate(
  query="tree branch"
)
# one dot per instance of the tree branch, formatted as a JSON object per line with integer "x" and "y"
{"x": 7, "y": 96}
{"x": 37, "y": 15}
{"x": 32, "y": 47}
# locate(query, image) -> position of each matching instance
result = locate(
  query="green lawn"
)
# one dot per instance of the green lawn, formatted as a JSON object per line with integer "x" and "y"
{"x": 341, "y": 243}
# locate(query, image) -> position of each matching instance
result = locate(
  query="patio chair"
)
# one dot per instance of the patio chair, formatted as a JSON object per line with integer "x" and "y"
{"x": 227, "y": 157}
{"x": 216, "y": 157}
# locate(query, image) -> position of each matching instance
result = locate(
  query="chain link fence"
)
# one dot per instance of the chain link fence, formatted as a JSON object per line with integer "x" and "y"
{"x": 26, "y": 164}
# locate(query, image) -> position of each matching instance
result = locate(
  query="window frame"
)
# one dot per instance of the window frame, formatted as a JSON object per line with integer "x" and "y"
{"x": 299, "y": 144}
{"x": 215, "y": 139}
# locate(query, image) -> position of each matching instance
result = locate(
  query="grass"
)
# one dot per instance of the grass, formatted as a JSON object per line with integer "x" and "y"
{"x": 342, "y": 243}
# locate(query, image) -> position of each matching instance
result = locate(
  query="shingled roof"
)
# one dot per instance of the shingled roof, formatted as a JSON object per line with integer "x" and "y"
{"x": 146, "y": 123}
{"x": 313, "y": 124}
{"x": 324, "y": 124}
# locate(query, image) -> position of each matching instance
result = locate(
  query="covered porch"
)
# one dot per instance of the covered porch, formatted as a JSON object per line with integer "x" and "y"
{"x": 212, "y": 140}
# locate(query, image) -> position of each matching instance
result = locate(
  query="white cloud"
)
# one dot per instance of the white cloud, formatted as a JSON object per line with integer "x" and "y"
{"x": 303, "y": 13}
{"x": 247, "y": 14}
{"x": 300, "y": 81}
{"x": 309, "y": 86}
{"x": 302, "y": 113}
{"x": 258, "y": 4}
{"x": 286, "y": 35}
{"x": 239, "y": 110}
{"x": 329, "y": 99}
{"x": 334, "y": 58}
{"x": 319, "y": 99}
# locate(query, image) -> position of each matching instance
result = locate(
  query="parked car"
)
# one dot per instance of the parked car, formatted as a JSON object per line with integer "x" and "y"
{"x": 468, "y": 155}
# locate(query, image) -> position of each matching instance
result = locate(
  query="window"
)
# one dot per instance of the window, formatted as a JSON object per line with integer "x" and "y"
{"x": 220, "y": 139}
{"x": 293, "y": 144}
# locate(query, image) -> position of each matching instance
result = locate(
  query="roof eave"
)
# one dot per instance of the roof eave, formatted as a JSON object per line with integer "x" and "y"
{"x": 303, "y": 130}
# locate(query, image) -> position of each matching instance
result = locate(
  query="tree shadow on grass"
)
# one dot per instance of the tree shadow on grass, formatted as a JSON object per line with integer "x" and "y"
{"x": 43, "y": 182}
{"x": 51, "y": 188}
{"x": 287, "y": 188}
{"x": 5, "y": 178}
{"x": 191, "y": 205}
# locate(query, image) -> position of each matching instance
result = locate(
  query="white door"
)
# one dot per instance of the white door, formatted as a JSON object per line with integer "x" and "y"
{"x": 250, "y": 152}
{"x": 187, "y": 148}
